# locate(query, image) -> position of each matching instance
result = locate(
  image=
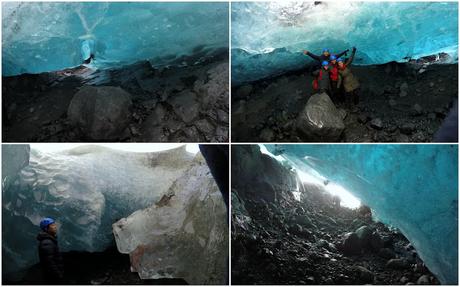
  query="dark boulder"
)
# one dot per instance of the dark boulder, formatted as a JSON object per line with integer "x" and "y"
{"x": 320, "y": 120}
{"x": 100, "y": 113}
{"x": 351, "y": 244}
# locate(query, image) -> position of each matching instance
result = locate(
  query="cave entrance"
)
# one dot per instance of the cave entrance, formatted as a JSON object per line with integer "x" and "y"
{"x": 347, "y": 199}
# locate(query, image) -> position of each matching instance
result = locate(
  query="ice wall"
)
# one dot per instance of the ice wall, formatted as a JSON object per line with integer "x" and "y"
{"x": 85, "y": 189}
{"x": 412, "y": 187}
{"x": 183, "y": 235}
{"x": 14, "y": 158}
{"x": 268, "y": 37}
{"x": 47, "y": 36}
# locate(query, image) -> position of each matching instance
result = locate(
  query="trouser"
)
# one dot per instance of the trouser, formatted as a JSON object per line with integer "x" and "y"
{"x": 324, "y": 90}
{"x": 352, "y": 97}
{"x": 335, "y": 93}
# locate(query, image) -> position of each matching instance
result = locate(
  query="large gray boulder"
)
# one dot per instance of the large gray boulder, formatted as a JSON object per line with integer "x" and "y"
{"x": 320, "y": 120}
{"x": 100, "y": 113}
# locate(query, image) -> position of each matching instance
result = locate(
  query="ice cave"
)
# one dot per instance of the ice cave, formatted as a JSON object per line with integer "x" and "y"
{"x": 44, "y": 37}
{"x": 104, "y": 198}
{"x": 268, "y": 37}
{"x": 156, "y": 55}
{"x": 407, "y": 219}
{"x": 405, "y": 67}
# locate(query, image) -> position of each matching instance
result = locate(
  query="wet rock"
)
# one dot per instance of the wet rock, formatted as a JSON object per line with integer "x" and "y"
{"x": 417, "y": 109}
{"x": 206, "y": 128}
{"x": 386, "y": 253}
{"x": 186, "y": 106}
{"x": 404, "y": 86}
{"x": 423, "y": 280}
{"x": 192, "y": 134}
{"x": 320, "y": 120}
{"x": 376, "y": 242}
{"x": 407, "y": 128}
{"x": 310, "y": 280}
{"x": 100, "y": 113}
{"x": 419, "y": 137}
{"x": 343, "y": 113}
{"x": 364, "y": 234}
{"x": 377, "y": 124}
{"x": 266, "y": 135}
{"x": 402, "y": 138}
{"x": 398, "y": 264}
{"x": 404, "y": 280}
{"x": 222, "y": 116}
{"x": 303, "y": 220}
{"x": 364, "y": 275}
{"x": 134, "y": 131}
{"x": 244, "y": 91}
{"x": 351, "y": 244}
{"x": 362, "y": 119}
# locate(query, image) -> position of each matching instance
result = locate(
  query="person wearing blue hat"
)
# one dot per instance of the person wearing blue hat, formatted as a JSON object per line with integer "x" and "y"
{"x": 334, "y": 73}
{"x": 51, "y": 261}
{"x": 324, "y": 56}
{"x": 321, "y": 82}
{"x": 348, "y": 80}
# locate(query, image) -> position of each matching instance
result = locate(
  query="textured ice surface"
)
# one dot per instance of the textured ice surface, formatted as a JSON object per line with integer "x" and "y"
{"x": 14, "y": 158}
{"x": 85, "y": 189}
{"x": 412, "y": 187}
{"x": 46, "y": 36}
{"x": 268, "y": 37}
{"x": 183, "y": 235}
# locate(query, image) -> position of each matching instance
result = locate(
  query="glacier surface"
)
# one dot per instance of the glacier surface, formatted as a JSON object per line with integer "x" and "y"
{"x": 411, "y": 187}
{"x": 47, "y": 36}
{"x": 268, "y": 37}
{"x": 86, "y": 189}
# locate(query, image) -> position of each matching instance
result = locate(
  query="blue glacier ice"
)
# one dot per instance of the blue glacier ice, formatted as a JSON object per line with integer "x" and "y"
{"x": 85, "y": 189}
{"x": 47, "y": 36}
{"x": 411, "y": 187}
{"x": 268, "y": 37}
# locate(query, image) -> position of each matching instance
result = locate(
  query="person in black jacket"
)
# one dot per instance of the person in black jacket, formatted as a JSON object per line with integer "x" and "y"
{"x": 48, "y": 251}
{"x": 325, "y": 56}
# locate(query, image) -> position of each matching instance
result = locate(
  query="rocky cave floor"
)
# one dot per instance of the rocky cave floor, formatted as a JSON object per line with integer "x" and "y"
{"x": 170, "y": 104}
{"x": 315, "y": 242}
{"x": 91, "y": 268}
{"x": 399, "y": 102}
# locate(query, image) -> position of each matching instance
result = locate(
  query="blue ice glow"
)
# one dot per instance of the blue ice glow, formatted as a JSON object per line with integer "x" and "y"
{"x": 268, "y": 37}
{"x": 411, "y": 187}
{"x": 47, "y": 36}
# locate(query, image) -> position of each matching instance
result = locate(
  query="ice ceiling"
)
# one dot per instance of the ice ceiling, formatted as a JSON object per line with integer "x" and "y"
{"x": 411, "y": 187}
{"x": 46, "y": 36}
{"x": 268, "y": 37}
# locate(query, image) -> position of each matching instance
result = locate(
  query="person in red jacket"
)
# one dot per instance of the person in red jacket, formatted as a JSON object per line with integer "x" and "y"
{"x": 334, "y": 75}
